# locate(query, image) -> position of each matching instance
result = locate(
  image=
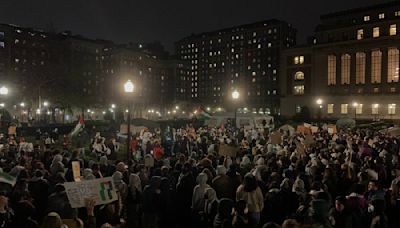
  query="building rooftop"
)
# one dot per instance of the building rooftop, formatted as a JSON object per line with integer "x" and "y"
{"x": 361, "y": 9}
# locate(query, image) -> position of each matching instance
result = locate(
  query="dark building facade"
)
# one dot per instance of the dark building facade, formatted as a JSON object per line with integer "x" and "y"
{"x": 74, "y": 71}
{"x": 351, "y": 65}
{"x": 245, "y": 58}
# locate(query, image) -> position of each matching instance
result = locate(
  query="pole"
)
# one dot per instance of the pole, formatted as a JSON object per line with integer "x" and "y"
{"x": 234, "y": 121}
{"x": 128, "y": 142}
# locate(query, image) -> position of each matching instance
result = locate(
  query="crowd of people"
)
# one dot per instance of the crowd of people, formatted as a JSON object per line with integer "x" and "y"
{"x": 347, "y": 179}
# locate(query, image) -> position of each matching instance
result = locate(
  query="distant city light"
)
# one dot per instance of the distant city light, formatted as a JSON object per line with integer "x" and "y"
{"x": 45, "y": 104}
{"x": 113, "y": 106}
{"x": 208, "y": 108}
{"x": 38, "y": 111}
{"x": 22, "y": 104}
{"x": 126, "y": 110}
{"x": 2, "y": 105}
{"x": 104, "y": 112}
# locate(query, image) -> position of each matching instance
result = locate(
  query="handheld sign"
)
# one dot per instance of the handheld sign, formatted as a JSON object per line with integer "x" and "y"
{"x": 76, "y": 170}
{"x": 102, "y": 191}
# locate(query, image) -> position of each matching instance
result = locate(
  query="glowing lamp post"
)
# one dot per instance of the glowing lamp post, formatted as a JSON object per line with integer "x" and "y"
{"x": 129, "y": 88}
{"x": 235, "y": 97}
{"x": 319, "y": 103}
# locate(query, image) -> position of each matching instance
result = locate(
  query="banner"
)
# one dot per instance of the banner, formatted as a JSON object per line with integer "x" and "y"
{"x": 102, "y": 191}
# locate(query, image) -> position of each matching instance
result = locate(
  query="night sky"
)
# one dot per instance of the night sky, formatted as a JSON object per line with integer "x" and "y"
{"x": 165, "y": 20}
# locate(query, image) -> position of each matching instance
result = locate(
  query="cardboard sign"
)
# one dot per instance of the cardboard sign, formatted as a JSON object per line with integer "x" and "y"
{"x": 314, "y": 129}
{"x": 303, "y": 130}
{"x": 225, "y": 150}
{"x": 332, "y": 129}
{"x": 276, "y": 138}
{"x": 306, "y": 125}
{"x": 102, "y": 191}
{"x": 76, "y": 170}
{"x": 12, "y": 130}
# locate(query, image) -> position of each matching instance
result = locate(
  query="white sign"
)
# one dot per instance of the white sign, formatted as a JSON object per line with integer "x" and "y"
{"x": 102, "y": 191}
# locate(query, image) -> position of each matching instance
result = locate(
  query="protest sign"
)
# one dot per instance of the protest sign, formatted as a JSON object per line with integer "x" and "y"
{"x": 276, "y": 138}
{"x": 225, "y": 150}
{"x": 314, "y": 129}
{"x": 101, "y": 190}
{"x": 76, "y": 170}
{"x": 332, "y": 129}
{"x": 12, "y": 130}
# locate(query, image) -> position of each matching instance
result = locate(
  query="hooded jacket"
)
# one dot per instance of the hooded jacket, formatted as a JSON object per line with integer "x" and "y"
{"x": 199, "y": 191}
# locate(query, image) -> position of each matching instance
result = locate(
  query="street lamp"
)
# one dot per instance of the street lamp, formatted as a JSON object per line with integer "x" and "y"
{"x": 319, "y": 103}
{"x": 235, "y": 97}
{"x": 3, "y": 90}
{"x": 129, "y": 88}
{"x": 45, "y": 104}
{"x": 355, "y": 105}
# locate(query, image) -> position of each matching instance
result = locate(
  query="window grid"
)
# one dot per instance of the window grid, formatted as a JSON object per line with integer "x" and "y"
{"x": 360, "y": 68}
{"x": 331, "y": 70}
{"x": 393, "y": 65}
{"x": 376, "y": 66}
{"x": 330, "y": 108}
{"x": 345, "y": 69}
{"x": 344, "y": 108}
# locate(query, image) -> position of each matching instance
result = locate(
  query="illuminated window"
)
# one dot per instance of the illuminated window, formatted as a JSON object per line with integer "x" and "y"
{"x": 376, "y": 66}
{"x": 366, "y": 18}
{"x": 393, "y": 65}
{"x": 299, "y": 59}
{"x": 331, "y": 70}
{"x": 375, "y": 32}
{"x": 376, "y": 90}
{"x": 391, "y": 109}
{"x": 343, "y": 108}
{"x": 381, "y": 16}
{"x": 330, "y": 108}
{"x": 359, "y": 109}
{"x": 298, "y": 90}
{"x": 360, "y": 34}
{"x": 360, "y": 68}
{"x": 299, "y": 75}
{"x": 393, "y": 30}
{"x": 392, "y": 89}
{"x": 345, "y": 69}
{"x": 375, "y": 109}
{"x": 397, "y": 13}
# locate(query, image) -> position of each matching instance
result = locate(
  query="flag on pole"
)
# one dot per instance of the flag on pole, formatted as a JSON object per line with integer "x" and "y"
{"x": 202, "y": 115}
{"x": 8, "y": 179}
{"x": 78, "y": 128}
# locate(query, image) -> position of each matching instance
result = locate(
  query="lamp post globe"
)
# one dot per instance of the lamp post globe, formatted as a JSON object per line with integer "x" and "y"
{"x": 235, "y": 96}
{"x": 129, "y": 87}
{"x": 3, "y": 90}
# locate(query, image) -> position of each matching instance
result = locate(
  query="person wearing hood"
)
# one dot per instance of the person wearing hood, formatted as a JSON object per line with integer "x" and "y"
{"x": 88, "y": 174}
{"x": 252, "y": 195}
{"x": 120, "y": 185}
{"x": 198, "y": 193}
{"x": 134, "y": 198}
{"x": 152, "y": 203}
{"x": 210, "y": 206}
{"x": 57, "y": 165}
{"x": 224, "y": 217}
{"x": 105, "y": 168}
{"x": 222, "y": 183}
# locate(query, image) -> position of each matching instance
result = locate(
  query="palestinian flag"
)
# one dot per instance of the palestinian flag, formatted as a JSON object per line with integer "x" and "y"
{"x": 8, "y": 179}
{"x": 78, "y": 128}
{"x": 201, "y": 114}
